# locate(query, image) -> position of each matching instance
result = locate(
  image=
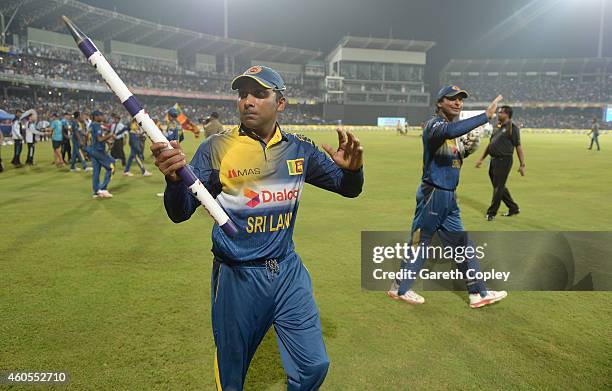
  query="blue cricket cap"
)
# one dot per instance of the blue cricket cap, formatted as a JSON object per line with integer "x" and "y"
{"x": 265, "y": 76}
{"x": 450, "y": 91}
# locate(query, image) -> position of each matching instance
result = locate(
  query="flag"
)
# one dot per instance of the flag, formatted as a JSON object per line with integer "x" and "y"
{"x": 186, "y": 124}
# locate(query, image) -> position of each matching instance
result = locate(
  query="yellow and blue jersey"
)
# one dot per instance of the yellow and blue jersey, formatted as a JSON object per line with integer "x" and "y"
{"x": 134, "y": 136}
{"x": 260, "y": 187}
{"x": 96, "y": 130}
{"x": 441, "y": 156}
{"x": 174, "y": 131}
{"x": 76, "y": 131}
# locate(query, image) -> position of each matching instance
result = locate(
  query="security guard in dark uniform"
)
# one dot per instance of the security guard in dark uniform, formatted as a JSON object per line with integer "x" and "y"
{"x": 501, "y": 146}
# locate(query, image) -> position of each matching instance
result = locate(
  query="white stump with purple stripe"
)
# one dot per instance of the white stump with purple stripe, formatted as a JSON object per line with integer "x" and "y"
{"x": 129, "y": 101}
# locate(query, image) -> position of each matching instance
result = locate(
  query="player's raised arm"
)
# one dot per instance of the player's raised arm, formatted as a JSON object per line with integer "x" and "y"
{"x": 349, "y": 155}
{"x": 342, "y": 171}
{"x": 449, "y": 105}
{"x": 492, "y": 109}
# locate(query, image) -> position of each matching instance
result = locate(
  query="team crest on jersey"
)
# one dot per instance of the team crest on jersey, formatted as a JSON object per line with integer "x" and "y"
{"x": 296, "y": 166}
{"x": 254, "y": 69}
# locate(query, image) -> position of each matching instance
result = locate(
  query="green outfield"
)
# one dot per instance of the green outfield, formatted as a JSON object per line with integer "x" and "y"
{"x": 117, "y": 295}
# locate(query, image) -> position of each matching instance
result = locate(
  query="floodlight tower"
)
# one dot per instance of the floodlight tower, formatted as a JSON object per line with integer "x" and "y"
{"x": 601, "y": 28}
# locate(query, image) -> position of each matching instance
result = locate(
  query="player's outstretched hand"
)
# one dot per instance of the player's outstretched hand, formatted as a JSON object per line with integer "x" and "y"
{"x": 349, "y": 155}
{"x": 169, "y": 160}
{"x": 492, "y": 109}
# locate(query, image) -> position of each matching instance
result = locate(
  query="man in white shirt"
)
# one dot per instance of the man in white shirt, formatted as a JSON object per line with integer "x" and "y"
{"x": 17, "y": 136}
{"x": 28, "y": 122}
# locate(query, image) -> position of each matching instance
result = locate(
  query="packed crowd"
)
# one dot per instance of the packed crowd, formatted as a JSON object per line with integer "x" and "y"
{"x": 197, "y": 112}
{"x": 547, "y": 89}
{"x": 559, "y": 118}
{"x": 58, "y": 64}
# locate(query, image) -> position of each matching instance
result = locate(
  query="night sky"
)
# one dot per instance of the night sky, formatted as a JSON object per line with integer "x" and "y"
{"x": 461, "y": 29}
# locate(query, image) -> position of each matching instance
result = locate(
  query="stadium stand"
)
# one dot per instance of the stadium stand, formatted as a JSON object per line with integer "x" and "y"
{"x": 547, "y": 93}
{"x": 361, "y": 79}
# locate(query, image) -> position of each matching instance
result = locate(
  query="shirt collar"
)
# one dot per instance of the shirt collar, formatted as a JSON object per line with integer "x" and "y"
{"x": 279, "y": 135}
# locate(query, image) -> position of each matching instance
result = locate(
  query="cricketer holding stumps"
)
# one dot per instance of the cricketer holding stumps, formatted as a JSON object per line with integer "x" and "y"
{"x": 257, "y": 172}
{"x": 437, "y": 210}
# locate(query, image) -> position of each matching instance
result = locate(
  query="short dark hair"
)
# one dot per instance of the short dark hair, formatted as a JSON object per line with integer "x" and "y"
{"x": 214, "y": 114}
{"x": 507, "y": 109}
{"x": 76, "y": 114}
{"x": 279, "y": 95}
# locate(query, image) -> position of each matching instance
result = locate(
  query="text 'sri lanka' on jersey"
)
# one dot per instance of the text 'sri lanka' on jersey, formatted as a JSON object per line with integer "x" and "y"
{"x": 260, "y": 187}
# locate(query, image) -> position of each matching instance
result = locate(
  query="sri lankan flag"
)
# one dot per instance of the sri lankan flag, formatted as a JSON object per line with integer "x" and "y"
{"x": 186, "y": 124}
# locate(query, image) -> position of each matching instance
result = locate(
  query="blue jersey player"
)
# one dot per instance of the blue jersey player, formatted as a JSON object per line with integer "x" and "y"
{"x": 437, "y": 210}
{"x": 99, "y": 157}
{"x": 77, "y": 142}
{"x": 136, "y": 153}
{"x": 257, "y": 172}
{"x": 174, "y": 130}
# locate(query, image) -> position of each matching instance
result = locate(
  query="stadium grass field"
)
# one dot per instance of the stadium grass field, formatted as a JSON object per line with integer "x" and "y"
{"x": 117, "y": 295}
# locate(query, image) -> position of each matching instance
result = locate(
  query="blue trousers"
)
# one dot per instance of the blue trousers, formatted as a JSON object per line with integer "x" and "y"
{"x": 437, "y": 212}
{"x": 101, "y": 159}
{"x": 246, "y": 302}
{"x": 77, "y": 154}
{"x": 17, "y": 148}
{"x": 135, "y": 154}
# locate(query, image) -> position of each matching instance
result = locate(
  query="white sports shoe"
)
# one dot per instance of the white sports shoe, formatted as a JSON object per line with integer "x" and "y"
{"x": 477, "y": 301}
{"x": 146, "y": 173}
{"x": 127, "y": 173}
{"x": 410, "y": 297}
{"x": 105, "y": 194}
{"x": 76, "y": 169}
{"x": 89, "y": 169}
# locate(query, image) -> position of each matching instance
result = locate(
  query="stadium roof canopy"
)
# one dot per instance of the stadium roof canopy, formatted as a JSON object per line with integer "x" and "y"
{"x": 102, "y": 24}
{"x": 567, "y": 66}
{"x": 385, "y": 44}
